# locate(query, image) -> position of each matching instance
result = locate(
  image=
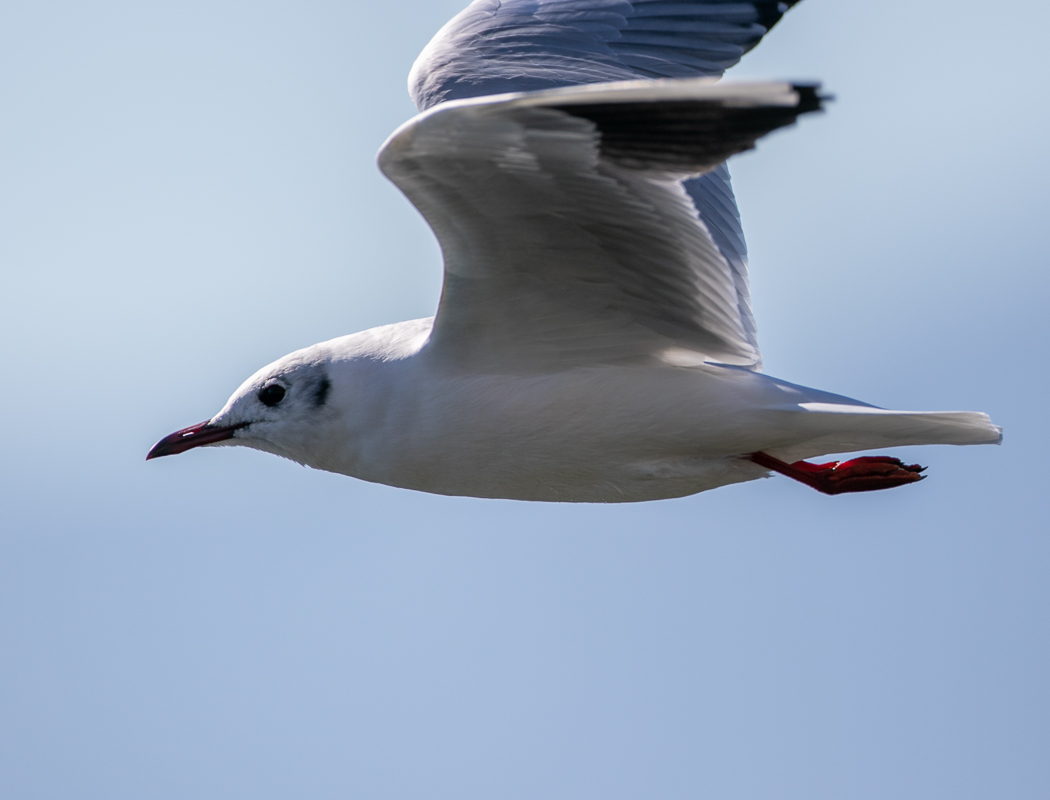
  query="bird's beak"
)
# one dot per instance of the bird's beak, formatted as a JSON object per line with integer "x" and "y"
{"x": 193, "y": 436}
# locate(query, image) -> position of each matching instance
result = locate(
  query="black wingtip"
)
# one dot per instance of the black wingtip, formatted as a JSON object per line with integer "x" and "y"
{"x": 810, "y": 97}
{"x": 770, "y": 12}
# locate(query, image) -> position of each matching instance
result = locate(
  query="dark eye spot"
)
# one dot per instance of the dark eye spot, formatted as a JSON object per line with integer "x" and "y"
{"x": 272, "y": 395}
{"x": 321, "y": 391}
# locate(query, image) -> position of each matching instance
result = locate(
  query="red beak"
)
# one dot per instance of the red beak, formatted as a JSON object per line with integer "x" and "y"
{"x": 193, "y": 436}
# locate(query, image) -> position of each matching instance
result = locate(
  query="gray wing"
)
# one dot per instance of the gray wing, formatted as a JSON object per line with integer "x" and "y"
{"x": 567, "y": 236}
{"x": 498, "y": 46}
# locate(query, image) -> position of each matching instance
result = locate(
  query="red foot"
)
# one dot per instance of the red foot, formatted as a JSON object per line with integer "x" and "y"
{"x": 866, "y": 474}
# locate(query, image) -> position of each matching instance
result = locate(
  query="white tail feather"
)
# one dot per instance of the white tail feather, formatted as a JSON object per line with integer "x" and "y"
{"x": 847, "y": 429}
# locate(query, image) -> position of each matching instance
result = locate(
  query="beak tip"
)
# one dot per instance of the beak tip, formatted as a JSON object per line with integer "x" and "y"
{"x": 194, "y": 436}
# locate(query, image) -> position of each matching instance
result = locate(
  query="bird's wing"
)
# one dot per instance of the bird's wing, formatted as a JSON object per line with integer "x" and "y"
{"x": 567, "y": 236}
{"x": 498, "y": 46}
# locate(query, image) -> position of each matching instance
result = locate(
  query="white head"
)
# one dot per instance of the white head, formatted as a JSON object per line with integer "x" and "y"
{"x": 314, "y": 406}
{"x": 285, "y": 408}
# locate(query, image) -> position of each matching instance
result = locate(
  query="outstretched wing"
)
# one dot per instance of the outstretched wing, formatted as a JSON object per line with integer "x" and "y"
{"x": 567, "y": 236}
{"x": 498, "y": 46}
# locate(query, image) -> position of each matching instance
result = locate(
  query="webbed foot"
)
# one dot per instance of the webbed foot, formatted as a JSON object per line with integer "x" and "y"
{"x": 866, "y": 474}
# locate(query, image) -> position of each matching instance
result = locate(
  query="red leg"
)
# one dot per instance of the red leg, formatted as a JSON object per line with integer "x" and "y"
{"x": 867, "y": 474}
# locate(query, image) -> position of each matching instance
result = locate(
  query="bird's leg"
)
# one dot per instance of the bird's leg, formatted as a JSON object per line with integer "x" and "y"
{"x": 867, "y": 474}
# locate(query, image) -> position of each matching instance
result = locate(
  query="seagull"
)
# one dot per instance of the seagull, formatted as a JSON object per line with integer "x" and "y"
{"x": 594, "y": 340}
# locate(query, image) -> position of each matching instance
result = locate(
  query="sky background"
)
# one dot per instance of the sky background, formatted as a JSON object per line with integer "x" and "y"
{"x": 188, "y": 191}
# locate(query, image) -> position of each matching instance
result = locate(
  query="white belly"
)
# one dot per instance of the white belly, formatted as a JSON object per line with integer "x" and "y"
{"x": 599, "y": 435}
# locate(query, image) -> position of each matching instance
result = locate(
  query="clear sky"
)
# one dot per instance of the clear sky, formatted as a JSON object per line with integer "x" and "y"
{"x": 187, "y": 191}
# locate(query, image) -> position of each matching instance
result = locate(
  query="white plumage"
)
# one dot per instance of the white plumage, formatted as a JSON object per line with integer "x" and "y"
{"x": 594, "y": 339}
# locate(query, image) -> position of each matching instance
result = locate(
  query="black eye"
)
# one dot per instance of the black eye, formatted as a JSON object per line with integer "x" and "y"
{"x": 272, "y": 395}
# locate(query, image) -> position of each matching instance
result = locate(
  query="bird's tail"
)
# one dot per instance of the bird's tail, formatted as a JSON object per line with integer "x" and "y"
{"x": 834, "y": 428}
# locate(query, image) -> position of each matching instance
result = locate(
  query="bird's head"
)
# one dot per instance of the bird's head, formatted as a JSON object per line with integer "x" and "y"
{"x": 283, "y": 409}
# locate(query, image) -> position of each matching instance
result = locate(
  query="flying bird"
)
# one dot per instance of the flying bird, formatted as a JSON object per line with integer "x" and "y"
{"x": 594, "y": 340}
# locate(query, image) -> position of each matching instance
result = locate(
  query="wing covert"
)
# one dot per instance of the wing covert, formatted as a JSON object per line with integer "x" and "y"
{"x": 567, "y": 235}
{"x": 499, "y": 46}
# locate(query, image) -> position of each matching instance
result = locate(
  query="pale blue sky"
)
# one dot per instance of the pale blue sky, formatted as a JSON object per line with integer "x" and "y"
{"x": 187, "y": 191}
